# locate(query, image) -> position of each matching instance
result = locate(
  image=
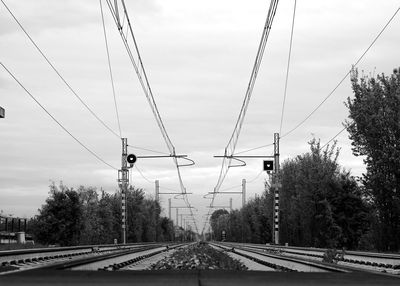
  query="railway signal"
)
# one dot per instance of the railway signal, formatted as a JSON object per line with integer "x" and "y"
{"x": 268, "y": 165}
{"x": 131, "y": 159}
{"x": 223, "y": 235}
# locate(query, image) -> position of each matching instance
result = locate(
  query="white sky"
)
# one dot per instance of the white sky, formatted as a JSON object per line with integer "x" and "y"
{"x": 198, "y": 56}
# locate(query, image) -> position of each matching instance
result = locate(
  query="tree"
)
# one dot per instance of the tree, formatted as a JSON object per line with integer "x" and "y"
{"x": 89, "y": 201}
{"x": 135, "y": 217}
{"x": 374, "y": 128}
{"x": 217, "y": 223}
{"x": 73, "y": 217}
{"x": 60, "y": 219}
{"x": 167, "y": 229}
{"x": 109, "y": 216}
{"x": 321, "y": 205}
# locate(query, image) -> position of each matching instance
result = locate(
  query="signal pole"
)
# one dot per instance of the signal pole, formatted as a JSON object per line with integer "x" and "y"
{"x": 177, "y": 217}
{"x": 157, "y": 190}
{"x": 243, "y": 192}
{"x": 277, "y": 186}
{"x": 169, "y": 208}
{"x": 123, "y": 179}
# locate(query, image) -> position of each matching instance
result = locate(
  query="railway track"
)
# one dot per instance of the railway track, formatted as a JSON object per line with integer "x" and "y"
{"x": 275, "y": 262}
{"x": 103, "y": 257}
{"x": 366, "y": 261}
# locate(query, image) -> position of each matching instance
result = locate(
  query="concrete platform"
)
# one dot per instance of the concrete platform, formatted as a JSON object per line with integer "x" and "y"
{"x": 196, "y": 277}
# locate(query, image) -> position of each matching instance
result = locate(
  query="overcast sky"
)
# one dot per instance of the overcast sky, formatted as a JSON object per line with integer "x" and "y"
{"x": 198, "y": 56}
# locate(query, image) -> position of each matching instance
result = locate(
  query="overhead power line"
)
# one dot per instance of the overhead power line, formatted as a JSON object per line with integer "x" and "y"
{"x": 58, "y": 73}
{"x": 137, "y": 63}
{"x": 240, "y": 185}
{"x": 334, "y": 137}
{"x": 252, "y": 149}
{"x": 146, "y": 149}
{"x": 110, "y": 70}
{"x": 288, "y": 66}
{"x": 55, "y": 120}
{"x": 231, "y": 146}
{"x": 344, "y": 77}
{"x": 141, "y": 174}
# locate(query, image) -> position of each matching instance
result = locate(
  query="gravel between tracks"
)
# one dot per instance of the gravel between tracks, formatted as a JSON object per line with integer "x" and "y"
{"x": 198, "y": 256}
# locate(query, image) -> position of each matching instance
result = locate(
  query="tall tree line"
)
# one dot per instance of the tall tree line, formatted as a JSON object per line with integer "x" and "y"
{"x": 321, "y": 204}
{"x": 374, "y": 128}
{"x": 85, "y": 216}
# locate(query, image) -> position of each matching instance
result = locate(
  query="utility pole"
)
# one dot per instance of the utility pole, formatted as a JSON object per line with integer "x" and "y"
{"x": 177, "y": 217}
{"x": 230, "y": 204}
{"x": 158, "y": 191}
{"x": 169, "y": 209}
{"x": 243, "y": 192}
{"x": 123, "y": 179}
{"x": 2, "y": 112}
{"x": 277, "y": 185}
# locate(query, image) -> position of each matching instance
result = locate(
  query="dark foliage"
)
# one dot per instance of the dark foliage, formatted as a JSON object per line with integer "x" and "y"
{"x": 320, "y": 206}
{"x": 73, "y": 217}
{"x": 374, "y": 128}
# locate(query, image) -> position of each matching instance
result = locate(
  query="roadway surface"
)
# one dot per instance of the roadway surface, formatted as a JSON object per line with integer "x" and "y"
{"x": 196, "y": 277}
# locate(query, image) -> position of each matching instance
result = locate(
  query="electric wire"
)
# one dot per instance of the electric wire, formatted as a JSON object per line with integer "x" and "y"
{"x": 138, "y": 66}
{"x": 139, "y": 69}
{"x": 141, "y": 174}
{"x": 334, "y": 137}
{"x": 150, "y": 181}
{"x": 54, "y": 119}
{"x": 252, "y": 149}
{"x": 231, "y": 146}
{"x": 110, "y": 69}
{"x": 288, "y": 67}
{"x": 344, "y": 77}
{"x": 58, "y": 73}
{"x": 146, "y": 149}
{"x": 237, "y": 186}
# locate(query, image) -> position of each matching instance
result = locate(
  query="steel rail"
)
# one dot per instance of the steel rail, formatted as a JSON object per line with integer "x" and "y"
{"x": 307, "y": 263}
{"x": 30, "y": 260}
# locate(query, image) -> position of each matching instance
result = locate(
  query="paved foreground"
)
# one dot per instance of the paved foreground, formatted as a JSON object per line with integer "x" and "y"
{"x": 195, "y": 277}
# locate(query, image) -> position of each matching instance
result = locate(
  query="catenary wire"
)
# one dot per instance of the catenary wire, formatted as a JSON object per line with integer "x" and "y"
{"x": 54, "y": 119}
{"x": 110, "y": 69}
{"x": 58, "y": 73}
{"x": 231, "y": 146}
{"x": 288, "y": 67}
{"x": 248, "y": 182}
{"x": 142, "y": 76}
{"x": 146, "y": 149}
{"x": 252, "y": 149}
{"x": 344, "y": 77}
{"x": 140, "y": 71}
{"x": 150, "y": 181}
{"x": 141, "y": 174}
{"x": 334, "y": 137}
